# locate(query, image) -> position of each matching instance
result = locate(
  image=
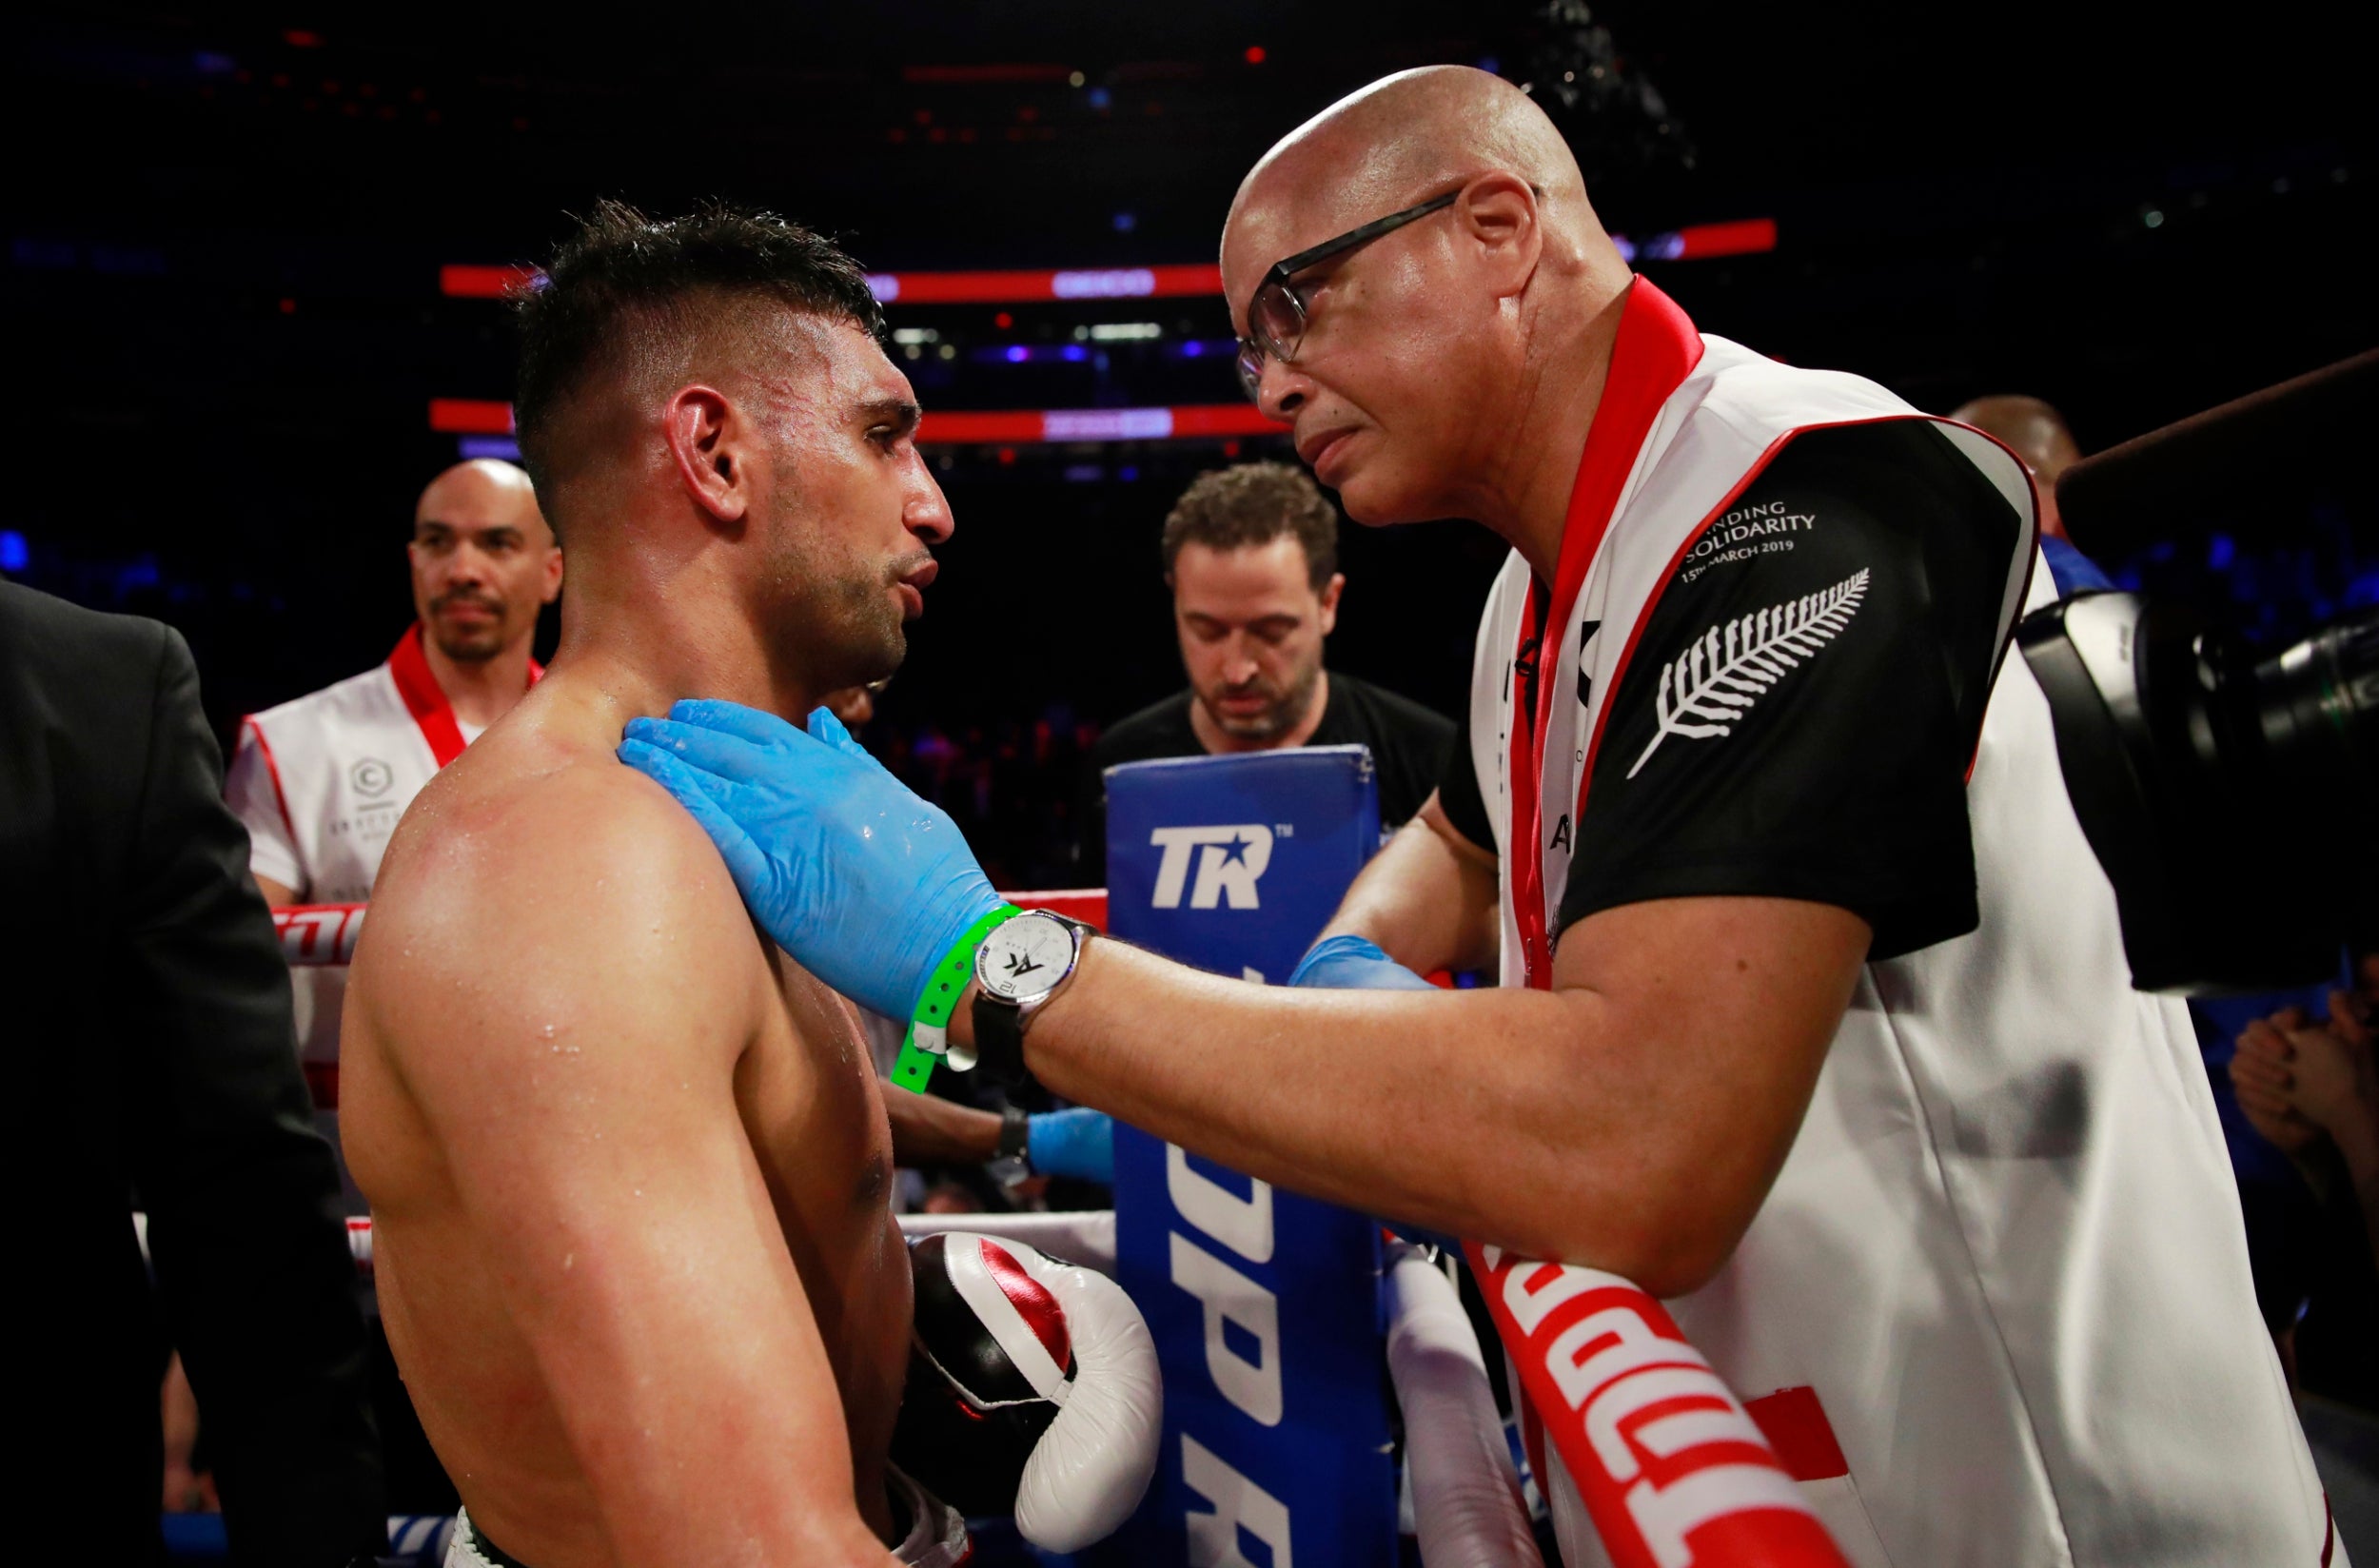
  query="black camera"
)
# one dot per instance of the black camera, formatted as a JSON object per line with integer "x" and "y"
{"x": 2233, "y": 800}
{"x": 2232, "y": 796}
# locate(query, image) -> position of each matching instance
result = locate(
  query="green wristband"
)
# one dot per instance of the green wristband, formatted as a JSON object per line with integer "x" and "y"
{"x": 943, "y": 988}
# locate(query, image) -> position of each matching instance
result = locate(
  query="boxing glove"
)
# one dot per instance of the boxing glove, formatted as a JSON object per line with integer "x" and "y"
{"x": 1032, "y": 1390}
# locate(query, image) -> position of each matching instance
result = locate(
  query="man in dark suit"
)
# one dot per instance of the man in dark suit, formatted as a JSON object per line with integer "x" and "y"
{"x": 151, "y": 1065}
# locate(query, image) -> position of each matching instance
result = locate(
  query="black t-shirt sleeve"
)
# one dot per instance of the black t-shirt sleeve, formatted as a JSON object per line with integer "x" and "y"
{"x": 1800, "y": 710}
{"x": 1409, "y": 742}
{"x": 1458, "y": 789}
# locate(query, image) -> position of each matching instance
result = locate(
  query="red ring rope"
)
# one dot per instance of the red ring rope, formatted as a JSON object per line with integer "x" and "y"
{"x": 1671, "y": 1467}
{"x": 318, "y": 935}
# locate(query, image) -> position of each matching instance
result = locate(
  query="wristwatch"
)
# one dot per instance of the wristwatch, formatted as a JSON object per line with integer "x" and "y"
{"x": 1019, "y": 967}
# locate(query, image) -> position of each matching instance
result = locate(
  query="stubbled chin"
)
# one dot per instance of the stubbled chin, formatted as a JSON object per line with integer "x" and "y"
{"x": 471, "y": 650}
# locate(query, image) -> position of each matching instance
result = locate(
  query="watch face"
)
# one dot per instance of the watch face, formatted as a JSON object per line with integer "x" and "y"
{"x": 1024, "y": 958}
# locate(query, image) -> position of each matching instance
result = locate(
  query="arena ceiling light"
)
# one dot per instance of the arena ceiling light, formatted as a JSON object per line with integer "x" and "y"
{"x": 482, "y": 418}
{"x": 1695, "y": 242}
{"x": 1182, "y": 422}
{"x": 1113, "y": 282}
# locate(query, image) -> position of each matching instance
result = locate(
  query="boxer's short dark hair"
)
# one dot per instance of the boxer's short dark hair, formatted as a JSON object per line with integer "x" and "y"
{"x": 1254, "y": 504}
{"x": 620, "y": 264}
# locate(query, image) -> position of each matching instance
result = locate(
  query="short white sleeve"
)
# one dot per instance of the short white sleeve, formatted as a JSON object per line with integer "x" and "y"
{"x": 254, "y": 795}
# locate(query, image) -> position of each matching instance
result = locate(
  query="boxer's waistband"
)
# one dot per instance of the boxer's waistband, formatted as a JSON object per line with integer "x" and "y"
{"x": 479, "y": 1552}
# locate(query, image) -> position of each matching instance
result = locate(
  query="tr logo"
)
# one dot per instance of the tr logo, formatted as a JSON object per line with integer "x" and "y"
{"x": 1019, "y": 965}
{"x": 1229, "y": 860}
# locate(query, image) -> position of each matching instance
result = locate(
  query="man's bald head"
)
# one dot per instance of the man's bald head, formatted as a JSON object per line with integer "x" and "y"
{"x": 1408, "y": 136}
{"x": 2032, "y": 430}
{"x": 2036, "y": 432}
{"x": 1425, "y": 350}
{"x": 487, "y": 490}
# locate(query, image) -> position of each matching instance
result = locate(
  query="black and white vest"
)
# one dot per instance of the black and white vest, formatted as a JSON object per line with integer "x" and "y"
{"x": 2006, "y": 1249}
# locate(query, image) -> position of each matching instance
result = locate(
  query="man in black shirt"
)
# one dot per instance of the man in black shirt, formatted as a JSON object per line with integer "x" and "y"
{"x": 1251, "y": 556}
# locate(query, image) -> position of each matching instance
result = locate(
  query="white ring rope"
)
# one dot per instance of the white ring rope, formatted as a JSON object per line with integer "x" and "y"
{"x": 1085, "y": 1237}
{"x": 1466, "y": 1506}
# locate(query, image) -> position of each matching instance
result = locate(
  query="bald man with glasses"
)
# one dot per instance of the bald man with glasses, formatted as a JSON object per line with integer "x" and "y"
{"x": 1814, "y": 1019}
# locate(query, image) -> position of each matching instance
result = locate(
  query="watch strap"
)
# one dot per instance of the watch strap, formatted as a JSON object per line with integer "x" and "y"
{"x": 1015, "y": 1133}
{"x": 926, "y": 1041}
{"x": 998, "y": 1039}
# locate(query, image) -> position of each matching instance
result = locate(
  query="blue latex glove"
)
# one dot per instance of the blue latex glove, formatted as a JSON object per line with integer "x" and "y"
{"x": 1079, "y": 1143}
{"x": 863, "y": 883}
{"x": 1353, "y": 963}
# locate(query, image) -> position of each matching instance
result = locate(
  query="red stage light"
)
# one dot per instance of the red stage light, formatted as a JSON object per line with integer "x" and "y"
{"x": 1190, "y": 421}
{"x": 482, "y": 282}
{"x": 1255, "y": 55}
{"x": 1006, "y": 428}
{"x": 470, "y": 417}
{"x": 1003, "y": 321}
{"x": 1745, "y": 237}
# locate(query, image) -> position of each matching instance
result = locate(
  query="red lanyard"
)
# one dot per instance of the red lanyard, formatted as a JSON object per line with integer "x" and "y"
{"x": 1654, "y": 350}
{"x": 416, "y": 683}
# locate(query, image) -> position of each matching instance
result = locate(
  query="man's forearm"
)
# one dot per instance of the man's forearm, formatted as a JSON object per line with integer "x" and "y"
{"x": 928, "y": 1130}
{"x": 1371, "y": 1105}
{"x": 1427, "y": 902}
{"x": 1550, "y": 1122}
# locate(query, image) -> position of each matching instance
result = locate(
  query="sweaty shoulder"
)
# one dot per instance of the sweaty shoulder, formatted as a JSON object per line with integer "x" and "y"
{"x": 558, "y": 889}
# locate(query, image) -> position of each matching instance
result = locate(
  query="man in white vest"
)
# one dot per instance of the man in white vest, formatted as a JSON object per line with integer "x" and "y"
{"x": 321, "y": 780}
{"x": 1814, "y": 1021}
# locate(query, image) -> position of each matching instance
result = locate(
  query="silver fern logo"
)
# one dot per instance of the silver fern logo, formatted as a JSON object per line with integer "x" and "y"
{"x": 1727, "y": 669}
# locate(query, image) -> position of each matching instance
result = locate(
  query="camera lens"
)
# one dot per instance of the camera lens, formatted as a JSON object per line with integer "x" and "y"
{"x": 2317, "y": 705}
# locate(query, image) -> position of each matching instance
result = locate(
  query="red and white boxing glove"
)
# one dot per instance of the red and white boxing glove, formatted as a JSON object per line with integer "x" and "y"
{"x": 1032, "y": 1390}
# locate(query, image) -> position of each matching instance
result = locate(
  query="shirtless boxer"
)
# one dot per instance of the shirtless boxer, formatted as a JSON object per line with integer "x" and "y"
{"x": 628, "y": 1164}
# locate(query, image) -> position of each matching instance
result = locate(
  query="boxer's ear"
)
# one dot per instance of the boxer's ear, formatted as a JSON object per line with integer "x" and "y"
{"x": 702, "y": 427}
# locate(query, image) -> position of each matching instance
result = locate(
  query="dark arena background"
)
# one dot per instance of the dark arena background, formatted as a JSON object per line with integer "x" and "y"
{"x": 256, "y": 284}
{"x": 250, "y": 282}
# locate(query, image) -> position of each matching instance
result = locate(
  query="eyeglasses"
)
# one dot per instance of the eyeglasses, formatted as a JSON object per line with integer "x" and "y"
{"x": 1276, "y": 316}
